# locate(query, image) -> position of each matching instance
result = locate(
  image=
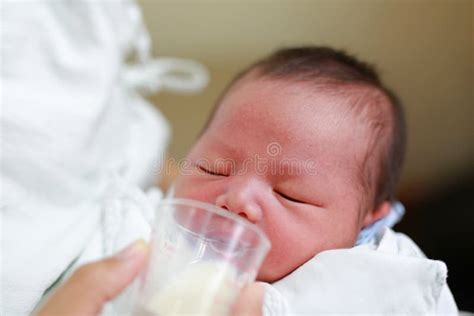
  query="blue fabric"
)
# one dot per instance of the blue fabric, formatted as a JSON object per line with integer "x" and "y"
{"x": 393, "y": 217}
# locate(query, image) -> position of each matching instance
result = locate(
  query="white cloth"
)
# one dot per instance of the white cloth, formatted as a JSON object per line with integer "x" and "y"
{"x": 72, "y": 127}
{"x": 390, "y": 275}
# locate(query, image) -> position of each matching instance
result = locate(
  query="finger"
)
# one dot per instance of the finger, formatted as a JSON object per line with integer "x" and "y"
{"x": 92, "y": 285}
{"x": 250, "y": 300}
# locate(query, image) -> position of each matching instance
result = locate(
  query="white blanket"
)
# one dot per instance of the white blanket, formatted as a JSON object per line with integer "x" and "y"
{"x": 388, "y": 276}
{"x": 73, "y": 131}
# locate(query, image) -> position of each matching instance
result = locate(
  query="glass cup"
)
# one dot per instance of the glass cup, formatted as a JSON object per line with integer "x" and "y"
{"x": 201, "y": 258}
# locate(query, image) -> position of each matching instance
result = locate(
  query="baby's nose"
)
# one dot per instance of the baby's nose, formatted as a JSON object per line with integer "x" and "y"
{"x": 241, "y": 203}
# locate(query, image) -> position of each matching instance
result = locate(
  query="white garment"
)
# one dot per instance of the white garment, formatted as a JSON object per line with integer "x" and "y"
{"x": 70, "y": 120}
{"x": 389, "y": 276}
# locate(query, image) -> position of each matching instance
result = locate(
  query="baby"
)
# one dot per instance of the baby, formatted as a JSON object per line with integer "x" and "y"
{"x": 308, "y": 145}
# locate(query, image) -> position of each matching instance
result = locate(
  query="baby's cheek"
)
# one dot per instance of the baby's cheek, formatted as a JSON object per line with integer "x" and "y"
{"x": 289, "y": 251}
{"x": 344, "y": 231}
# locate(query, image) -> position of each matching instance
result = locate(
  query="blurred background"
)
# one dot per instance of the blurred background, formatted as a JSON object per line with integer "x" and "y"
{"x": 422, "y": 49}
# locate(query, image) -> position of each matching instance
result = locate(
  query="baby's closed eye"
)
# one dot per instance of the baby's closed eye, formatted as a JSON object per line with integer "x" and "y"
{"x": 208, "y": 170}
{"x": 294, "y": 198}
{"x": 289, "y": 198}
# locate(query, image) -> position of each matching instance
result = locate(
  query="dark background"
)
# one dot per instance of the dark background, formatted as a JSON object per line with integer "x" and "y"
{"x": 441, "y": 223}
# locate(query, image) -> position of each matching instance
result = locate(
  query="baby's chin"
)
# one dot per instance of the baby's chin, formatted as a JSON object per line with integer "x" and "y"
{"x": 268, "y": 277}
{"x": 272, "y": 272}
{"x": 272, "y": 276}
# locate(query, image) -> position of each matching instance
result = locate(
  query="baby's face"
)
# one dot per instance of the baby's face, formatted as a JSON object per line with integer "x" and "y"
{"x": 286, "y": 158}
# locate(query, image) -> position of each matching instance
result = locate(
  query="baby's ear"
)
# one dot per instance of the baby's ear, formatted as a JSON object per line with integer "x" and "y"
{"x": 380, "y": 211}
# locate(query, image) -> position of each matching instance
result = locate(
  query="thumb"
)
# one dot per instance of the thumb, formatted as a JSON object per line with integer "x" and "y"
{"x": 92, "y": 285}
{"x": 250, "y": 300}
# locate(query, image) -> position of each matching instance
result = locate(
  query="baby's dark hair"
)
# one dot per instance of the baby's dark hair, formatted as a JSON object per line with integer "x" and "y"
{"x": 325, "y": 66}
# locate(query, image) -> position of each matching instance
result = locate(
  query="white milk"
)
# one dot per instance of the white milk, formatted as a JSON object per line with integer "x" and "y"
{"x": 202, "y": 288}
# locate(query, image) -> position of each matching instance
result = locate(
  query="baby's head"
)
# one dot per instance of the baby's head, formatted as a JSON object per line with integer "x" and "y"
{"x": 308, "y": 145}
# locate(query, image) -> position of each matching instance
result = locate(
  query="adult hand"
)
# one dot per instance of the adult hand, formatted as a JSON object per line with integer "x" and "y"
{"x": 250, "y": 300}
{"x": 92, "y": 285}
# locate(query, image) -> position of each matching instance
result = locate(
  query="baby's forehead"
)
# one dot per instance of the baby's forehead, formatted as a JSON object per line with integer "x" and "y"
{"x": 302, "y": 114}
{"x": 349, "y": 103}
